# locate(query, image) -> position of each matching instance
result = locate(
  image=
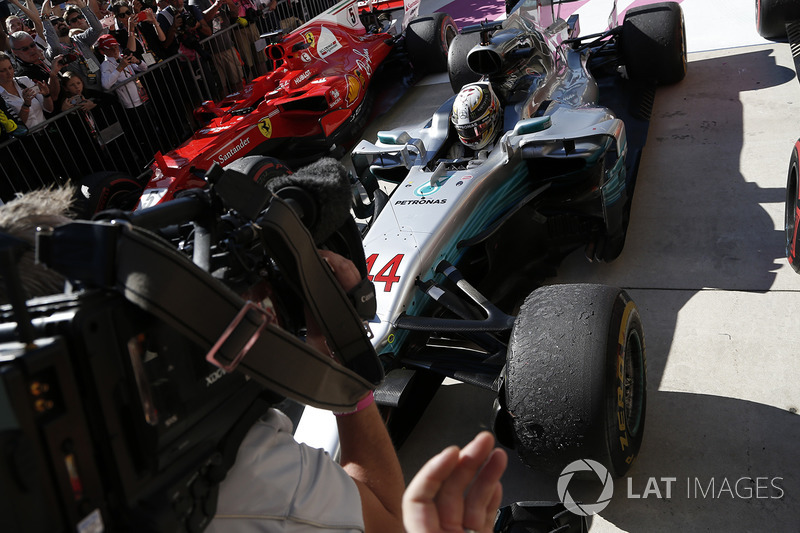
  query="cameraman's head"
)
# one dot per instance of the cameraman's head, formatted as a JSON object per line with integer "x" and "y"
{"x": 177, "y": 5}
{"x": 20, "y": 218}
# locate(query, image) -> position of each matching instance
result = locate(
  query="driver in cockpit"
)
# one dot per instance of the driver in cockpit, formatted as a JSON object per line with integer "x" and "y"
{"x": 477, "y": 115}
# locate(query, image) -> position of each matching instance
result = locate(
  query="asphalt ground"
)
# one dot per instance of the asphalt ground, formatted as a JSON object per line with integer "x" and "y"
{"x": 704, "y": 260}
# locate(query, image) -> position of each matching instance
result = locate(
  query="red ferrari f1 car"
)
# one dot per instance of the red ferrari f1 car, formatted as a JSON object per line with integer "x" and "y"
{"x": 318, "y": 97}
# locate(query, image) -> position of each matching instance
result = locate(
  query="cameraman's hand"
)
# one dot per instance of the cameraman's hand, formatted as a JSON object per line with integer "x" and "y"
{"x": 343, "y": 269}
{"x": 457, "y": 490}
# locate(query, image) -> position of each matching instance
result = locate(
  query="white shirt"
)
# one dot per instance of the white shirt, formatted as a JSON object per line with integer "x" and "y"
{"x": 36, "y": 111}
{"x": 128, "y": 93}
{"x": 278, "y": 485}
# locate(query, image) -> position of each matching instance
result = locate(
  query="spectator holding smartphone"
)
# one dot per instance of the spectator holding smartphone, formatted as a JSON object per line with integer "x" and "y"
{"x": 27, "y": 98}
{"x": 78, "y": 48}
{"x": 130, "y": 30}
{"x": 117, "y": 72}
{"x": 219, "y": 15}
{"x": 72, "y": 93}
{"x": 31, "y": 62}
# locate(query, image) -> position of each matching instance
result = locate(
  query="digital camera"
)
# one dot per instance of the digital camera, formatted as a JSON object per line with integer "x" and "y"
{"x": 69, "y": 58}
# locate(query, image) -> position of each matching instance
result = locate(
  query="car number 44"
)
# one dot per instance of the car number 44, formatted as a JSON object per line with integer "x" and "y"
{"x": 387, "y": 273}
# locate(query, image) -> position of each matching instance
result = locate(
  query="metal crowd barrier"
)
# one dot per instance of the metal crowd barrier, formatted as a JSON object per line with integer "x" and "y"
{"x": 66, "y": 147}
{"x": 74, "y": 144}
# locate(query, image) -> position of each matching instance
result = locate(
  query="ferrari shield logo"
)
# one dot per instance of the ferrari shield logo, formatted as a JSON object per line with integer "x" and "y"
{"x": 309, "y": 37}
{"x": 265, "y": 127}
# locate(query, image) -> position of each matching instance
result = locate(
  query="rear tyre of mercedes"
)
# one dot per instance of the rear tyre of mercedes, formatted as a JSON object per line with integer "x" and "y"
{"x": 575, "y": 382}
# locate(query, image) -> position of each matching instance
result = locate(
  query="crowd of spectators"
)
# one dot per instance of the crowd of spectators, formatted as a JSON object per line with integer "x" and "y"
{"x": 67, "y": 43}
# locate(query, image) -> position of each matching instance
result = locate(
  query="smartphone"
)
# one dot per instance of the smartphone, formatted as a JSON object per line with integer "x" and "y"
{"x": 141, "y": 17}
{"x": 75, "y": 100}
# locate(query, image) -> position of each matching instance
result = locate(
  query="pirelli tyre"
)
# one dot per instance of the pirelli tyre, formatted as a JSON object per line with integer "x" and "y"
{"x": 792, "y": 206}
{"x": 575, "y": 381}
{"x": 654, "y": 43}
{"x": 459, "y": 72}
{"x": 107, "y": 190}
{"x": 772, "y": 16}
{"x": 428, "y": 41}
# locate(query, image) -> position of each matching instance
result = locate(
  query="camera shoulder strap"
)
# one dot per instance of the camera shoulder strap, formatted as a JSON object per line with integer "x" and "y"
{"x": 290, "y": 244}
{"x": 158, "y": 279}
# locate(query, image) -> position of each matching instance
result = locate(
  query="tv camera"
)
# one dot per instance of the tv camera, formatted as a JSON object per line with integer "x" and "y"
{"x": 123, "y": 401}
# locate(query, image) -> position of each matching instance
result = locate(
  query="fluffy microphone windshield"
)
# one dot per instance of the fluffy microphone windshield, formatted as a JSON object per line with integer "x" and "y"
{"x": 327, "y": 187}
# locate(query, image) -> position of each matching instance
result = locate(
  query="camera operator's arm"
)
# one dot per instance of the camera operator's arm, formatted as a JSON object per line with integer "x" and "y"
{"x": 368, "y": 454}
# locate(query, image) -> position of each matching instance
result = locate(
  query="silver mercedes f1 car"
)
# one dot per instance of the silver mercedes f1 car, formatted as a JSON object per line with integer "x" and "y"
{"x": 534, "y": 156}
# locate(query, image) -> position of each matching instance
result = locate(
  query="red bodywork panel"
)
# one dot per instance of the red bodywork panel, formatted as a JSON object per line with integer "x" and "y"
{"x": 323, "y": 79}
